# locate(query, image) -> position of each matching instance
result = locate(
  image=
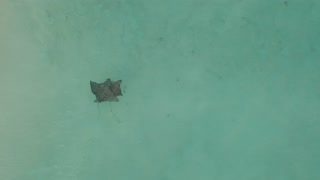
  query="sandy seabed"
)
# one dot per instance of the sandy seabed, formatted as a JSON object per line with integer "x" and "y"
{"x": 212, "y": 90}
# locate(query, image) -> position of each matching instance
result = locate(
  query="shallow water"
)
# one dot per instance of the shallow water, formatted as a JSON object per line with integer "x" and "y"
{"x": 212, "y": 90}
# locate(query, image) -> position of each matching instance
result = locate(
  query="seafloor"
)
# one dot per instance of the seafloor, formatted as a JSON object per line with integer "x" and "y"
{"x": 212, "y": 89}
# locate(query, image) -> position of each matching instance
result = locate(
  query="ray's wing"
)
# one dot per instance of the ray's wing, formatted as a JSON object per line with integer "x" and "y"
{"x": 94, "y": 87}
{"x": 116, "y": 89}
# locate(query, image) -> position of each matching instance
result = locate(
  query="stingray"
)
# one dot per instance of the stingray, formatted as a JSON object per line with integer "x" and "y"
{"x": 106, "y": 91}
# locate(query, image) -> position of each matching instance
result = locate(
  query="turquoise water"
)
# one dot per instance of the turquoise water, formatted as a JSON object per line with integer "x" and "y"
{"x": 213, "y": 89}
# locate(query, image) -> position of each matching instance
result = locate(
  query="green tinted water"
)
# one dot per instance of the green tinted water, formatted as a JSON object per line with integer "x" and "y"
{"x": 214, "y": 89}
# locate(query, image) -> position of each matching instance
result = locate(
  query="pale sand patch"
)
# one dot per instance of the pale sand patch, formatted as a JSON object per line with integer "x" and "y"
{"x": 23, "y": 108}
